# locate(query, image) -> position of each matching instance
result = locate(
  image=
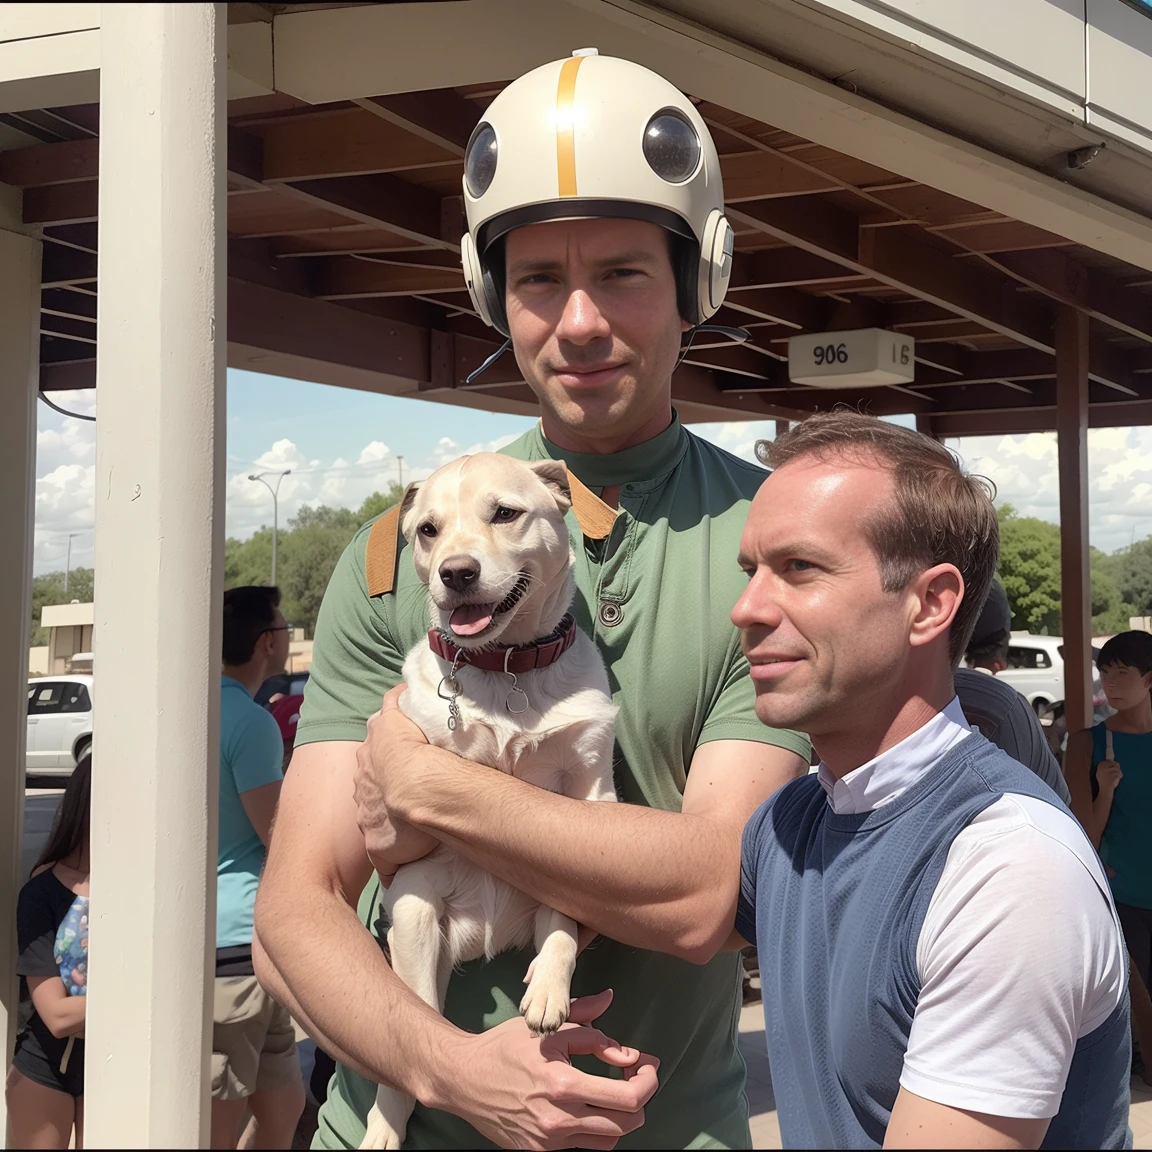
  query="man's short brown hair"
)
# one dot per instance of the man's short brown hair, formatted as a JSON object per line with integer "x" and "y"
{"x": 939, "y": 515}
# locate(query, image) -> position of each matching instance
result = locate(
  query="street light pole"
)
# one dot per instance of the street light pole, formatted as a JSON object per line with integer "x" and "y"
{"x": 400, "y": 465}
{"x": 275, "y": 507}
{"x": 68, "y": 562}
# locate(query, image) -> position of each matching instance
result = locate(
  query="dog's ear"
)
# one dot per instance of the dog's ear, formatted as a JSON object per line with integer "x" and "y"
{"x": 407, "y": 504}
{"x": 553, "y": 474}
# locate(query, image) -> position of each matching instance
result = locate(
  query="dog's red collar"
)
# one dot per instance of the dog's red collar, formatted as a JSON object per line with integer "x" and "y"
{"x": 538, "y": 654}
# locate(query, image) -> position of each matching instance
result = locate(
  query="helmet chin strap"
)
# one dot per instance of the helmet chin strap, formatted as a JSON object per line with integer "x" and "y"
{"x": 477, "y": 372}
{"x": 736, "y": 335}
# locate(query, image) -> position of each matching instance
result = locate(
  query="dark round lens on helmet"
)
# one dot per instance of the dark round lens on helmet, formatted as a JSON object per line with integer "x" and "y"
{"x": 480, "y": 160}
{"x": 671, "y": 146}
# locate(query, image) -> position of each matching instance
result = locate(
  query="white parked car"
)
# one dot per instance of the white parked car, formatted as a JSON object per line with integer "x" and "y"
{"x": 59, "y": 724}
{"x": 1036, "y": 669}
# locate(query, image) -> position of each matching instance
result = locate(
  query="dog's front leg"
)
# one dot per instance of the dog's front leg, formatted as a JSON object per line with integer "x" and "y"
{"x": 415, "y": 945}
{"x": 549, "y": 978}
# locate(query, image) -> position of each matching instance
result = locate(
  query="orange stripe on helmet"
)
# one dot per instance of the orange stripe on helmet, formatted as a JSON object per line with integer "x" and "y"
{"x": 565, "y": 127}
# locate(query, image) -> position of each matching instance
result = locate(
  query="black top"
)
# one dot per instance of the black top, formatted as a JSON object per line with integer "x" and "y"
{"x": 44, "y": 902}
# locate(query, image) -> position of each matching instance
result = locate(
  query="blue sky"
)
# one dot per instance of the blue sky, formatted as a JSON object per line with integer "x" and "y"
{"x": 342, "y": 445}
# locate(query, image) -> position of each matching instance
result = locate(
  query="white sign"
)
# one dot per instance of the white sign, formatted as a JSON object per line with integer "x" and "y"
{"x": 862, "y": 357}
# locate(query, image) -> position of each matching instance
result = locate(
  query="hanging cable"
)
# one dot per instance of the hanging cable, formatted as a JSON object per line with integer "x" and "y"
{"x": 64, "y": 411}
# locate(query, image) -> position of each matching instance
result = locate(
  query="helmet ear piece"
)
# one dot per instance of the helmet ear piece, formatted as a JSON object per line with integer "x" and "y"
{"x": 715, "y": 266}
{"x": 484, "y": 289}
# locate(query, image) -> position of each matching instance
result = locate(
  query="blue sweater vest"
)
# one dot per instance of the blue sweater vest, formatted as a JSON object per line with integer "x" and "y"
{"x": 835, "y": 904}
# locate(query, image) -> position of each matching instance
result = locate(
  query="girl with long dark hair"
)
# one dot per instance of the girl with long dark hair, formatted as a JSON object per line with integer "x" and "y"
{"x": 45, "y": 1087}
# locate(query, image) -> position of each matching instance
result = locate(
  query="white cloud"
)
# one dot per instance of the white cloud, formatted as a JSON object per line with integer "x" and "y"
{"x": 1024, "y": 469}
{"x": 340, "y": 483}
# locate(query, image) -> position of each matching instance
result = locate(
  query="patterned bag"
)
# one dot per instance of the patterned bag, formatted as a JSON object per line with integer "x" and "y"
{"x": 71, "y": 949}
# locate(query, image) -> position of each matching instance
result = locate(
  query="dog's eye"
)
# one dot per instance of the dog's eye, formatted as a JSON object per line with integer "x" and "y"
{"x": 428, "y": 529}
{"x": 505, "y": 515}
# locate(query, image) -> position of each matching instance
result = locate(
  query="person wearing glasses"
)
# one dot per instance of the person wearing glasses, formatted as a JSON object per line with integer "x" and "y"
{"x": 255, "y": 1066}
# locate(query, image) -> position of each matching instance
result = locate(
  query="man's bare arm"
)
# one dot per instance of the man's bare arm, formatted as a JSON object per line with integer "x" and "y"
{"x": 313, "y": 954}
{"x": 259, "y": 806}
{"x": 668, "y": 881}
{"x": 306, "y": 917}
{"x": 919, "y": 1123}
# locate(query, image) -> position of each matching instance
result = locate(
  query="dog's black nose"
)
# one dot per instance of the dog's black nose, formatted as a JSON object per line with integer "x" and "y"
{"x": 459, "y": 572}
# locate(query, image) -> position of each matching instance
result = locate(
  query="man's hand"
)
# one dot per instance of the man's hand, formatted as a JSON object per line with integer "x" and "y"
{"x": 1108, "y": 775}
{"x": 392, "y": 738}
{"x": 521, "y": 1091}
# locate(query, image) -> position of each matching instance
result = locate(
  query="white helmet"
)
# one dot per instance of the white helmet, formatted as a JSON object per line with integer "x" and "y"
{"x": 596, "y": 136}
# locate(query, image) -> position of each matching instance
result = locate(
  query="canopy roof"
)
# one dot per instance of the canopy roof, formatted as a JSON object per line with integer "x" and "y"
{"x": 344, "y": 221}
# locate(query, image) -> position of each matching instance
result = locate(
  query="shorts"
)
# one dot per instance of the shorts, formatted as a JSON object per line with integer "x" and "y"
{"x": 1136, "y": 924}
{"x": 33, "y": 1062}
{"x": 253, "y": 1041}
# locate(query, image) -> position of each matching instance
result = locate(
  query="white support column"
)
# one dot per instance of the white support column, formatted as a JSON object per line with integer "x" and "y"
{"x": 159, "y": 552}
{"x": 19, "y": 369}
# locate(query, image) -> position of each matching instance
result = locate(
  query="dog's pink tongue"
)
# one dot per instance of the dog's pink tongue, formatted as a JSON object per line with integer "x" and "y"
{"x": 469, "y": 619}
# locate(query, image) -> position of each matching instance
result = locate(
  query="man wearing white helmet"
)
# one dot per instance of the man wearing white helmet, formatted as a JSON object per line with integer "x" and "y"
{"x": 596, "y": 240}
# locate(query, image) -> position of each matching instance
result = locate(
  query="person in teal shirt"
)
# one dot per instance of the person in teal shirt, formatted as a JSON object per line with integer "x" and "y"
{"x": 1109, "y": 770}
{"x": 255, "y": 1065}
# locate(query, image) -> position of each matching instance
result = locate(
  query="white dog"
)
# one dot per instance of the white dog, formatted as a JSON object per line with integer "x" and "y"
{"x": 507, "y": 680}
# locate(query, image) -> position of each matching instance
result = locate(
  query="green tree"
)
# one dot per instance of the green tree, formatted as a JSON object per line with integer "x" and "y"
{"x": 1133, "y": 573}
{"x": 48, "y": 589}
{"x": 308, "y": 554}
{"x": 1110, "y": 612}
{"x": 1030, "y": 570}
{"x": 379, "y": 503}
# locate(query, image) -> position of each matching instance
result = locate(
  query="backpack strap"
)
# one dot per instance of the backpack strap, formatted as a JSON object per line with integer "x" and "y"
{"x": 380, "y": 556}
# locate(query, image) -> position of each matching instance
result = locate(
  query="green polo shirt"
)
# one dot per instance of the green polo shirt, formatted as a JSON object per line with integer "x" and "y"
{"x": 655, "y": 594}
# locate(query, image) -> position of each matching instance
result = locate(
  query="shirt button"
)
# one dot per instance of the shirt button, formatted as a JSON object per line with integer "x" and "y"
{"x": 610, "y": 613}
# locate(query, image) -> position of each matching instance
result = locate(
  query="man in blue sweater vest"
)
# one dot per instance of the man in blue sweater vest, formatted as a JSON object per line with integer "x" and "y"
{"x": 940, "y": 957}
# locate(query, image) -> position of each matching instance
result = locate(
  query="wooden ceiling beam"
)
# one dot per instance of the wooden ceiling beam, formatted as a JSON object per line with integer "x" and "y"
{"x": 67, "y": 266}
{"x": 63, "y": 163}
{"x": 755, "y": 175}
{"x": 1121, "y": 414}
{"x": 1091, "y": 290}
{"x": 82, "y": 236}
{"x": 736, "y": 359}
{"x": 68, "y": 327}
{"x": 337, "y": 277}
{"x": 785, "y": 306}
{"x": 78, "y": 161}
{"x": 439, "y": 115}
{"x": 346, "y": 142}
{"x": 61, "y": 203}
{"x": 792, "y": 268}
{"x": 380, "y": 201}
{"x": 263, "y": 317}
{"x": 73, "y": 376}
{"x": 895, "y": 258}
{"x": 62, "y": 302}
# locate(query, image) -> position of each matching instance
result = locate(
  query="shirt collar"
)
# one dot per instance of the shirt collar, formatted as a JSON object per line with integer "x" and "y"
{"x": 648, "y": 461}
{"x": 232, "y": 682}
{"x": 893, "y": 772}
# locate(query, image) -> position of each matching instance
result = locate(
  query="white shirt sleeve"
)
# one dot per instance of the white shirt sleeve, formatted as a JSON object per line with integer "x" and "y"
{"x": 1020, "y": 955}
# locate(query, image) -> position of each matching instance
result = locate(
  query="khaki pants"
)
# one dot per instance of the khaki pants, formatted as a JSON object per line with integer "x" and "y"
{"x": 253, "y": 1041}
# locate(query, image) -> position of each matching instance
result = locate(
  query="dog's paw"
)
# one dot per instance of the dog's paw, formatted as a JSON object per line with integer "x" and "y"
{"x": 545, "y": 1008}
{"x": 380, "y": 1133}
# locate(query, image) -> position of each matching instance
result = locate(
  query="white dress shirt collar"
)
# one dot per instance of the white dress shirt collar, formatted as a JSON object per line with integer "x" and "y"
{"x": 893, "y": 772}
